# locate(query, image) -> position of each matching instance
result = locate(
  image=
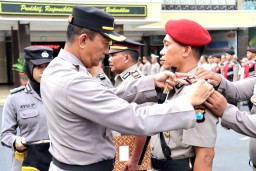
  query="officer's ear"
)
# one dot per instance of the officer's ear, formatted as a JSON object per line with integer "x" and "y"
{"x": 127, "y": 58}
{"x": 186, "y": 51}
{"x": 82, "y": 40}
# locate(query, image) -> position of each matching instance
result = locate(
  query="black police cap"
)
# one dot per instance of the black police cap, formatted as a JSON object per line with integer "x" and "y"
{"x": 127, "y": 44}
{"x": 216, "y": 56}
{"x": 230, "y": 51}
{"x": 251, "y": 49}
{"x": 38, "y": 54}
{"x": 95, "y": 19}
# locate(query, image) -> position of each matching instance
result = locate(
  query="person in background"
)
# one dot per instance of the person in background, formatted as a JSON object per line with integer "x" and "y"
{"x": 237, "y": 67}
{"x": 81, "y": 112}
{"x": 222, "y": 62}
{"x": 123, "y": 61}
{"x": 23, "y": 109}
{"x": 230, "y": 70}
{"x": 211, "y": 62}
{"x": 146, "y": 70}
{"x": 155, "y": 67}
{"x": 250, "y": 68}
{"x": 203, "y": 62}
{"x": 242, "y": 71}
{"x": 139, "y": 63}
{"x": 216, "y": 60}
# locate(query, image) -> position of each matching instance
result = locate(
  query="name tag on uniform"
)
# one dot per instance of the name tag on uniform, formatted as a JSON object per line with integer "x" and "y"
{"x": 123, "y": 153}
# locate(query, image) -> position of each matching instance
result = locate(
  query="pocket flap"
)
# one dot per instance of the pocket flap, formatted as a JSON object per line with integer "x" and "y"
{"x": 28, "y": 113}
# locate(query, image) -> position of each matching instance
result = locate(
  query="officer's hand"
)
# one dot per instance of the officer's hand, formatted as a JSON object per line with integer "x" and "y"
{"x": 199, "y": 92}
{"x": 211, "y": 77}
{"x": 216, "y": 103}
{"x": 131, "y": 165}
{"x": 19, "y": 144}
{"x": 161, "y": 79}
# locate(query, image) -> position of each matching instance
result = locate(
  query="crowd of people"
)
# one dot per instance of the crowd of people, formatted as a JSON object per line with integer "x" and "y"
{"x": 70, "y": 110}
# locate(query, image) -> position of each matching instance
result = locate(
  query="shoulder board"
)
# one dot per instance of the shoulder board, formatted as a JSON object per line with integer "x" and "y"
{"x": 126, "y": 75}
{"x": 16, "y": 90}
{"x": 136, "y": 74}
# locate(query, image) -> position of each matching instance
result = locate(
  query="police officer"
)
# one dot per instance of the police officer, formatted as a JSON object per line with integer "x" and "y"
{"x": 240, "y": 121}
{"x": 231, "y": 68}
{"x": 216, "y": 60}
{"x": 250, "y": 67}
{"x": 192, "y": 148}
{"x": 81, "y": 112}
{"x": 23, "y": 108}
{"x": 146, "y": 70}
{"x": 122, "y": 61}
{"x": 155, "y": 67}
{"x": 123, "y": 57}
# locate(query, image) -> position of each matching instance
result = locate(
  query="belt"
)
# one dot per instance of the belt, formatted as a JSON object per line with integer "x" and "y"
{"x": 173, "y": 165}
{"x": 106, "y": 165}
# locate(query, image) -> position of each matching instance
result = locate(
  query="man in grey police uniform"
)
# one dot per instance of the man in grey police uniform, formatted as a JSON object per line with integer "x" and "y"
{"x": 146, "y": 69}
{"x": 240, "y": 121}
{"x": 155, "y": 67}
{"x": 81, "y": 111}
{"x": 182, "y": 49}
{"x": 24, "y": 108}
{"x": 123, "y": 57}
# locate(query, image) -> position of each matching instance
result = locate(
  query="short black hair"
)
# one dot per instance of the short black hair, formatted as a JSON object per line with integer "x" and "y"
{"x": 73, "y": 31}
{"x": 134, "y": 55}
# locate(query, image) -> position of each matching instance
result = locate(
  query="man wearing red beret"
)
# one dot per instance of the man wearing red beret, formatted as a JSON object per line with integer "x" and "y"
{"x": 191, "y": 149}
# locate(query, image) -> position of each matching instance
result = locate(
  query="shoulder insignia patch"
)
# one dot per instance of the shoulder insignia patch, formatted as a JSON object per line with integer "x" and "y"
{"x": 200, "y": 111}
{"x": 16, "y": 90}
{"x": 126, "y": 75}
{"x": 253, "y": 99}
{"x": 102, "y": 76}
{"x": 135, "y": 74}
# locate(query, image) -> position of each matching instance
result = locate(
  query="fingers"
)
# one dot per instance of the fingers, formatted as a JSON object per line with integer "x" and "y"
{"x": 181, "y": 81}
{"x": 180, "y": 75}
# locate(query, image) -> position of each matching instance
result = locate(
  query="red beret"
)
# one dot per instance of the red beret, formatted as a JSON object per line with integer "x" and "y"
{"x": 187, "y": 32}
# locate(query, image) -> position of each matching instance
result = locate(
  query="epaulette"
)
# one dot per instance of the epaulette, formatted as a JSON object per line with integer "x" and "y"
{"x": 136, "y": 74}
{"x": 16, "y": 90}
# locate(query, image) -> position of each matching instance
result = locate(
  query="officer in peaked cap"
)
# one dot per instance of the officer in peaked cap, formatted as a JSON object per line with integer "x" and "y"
{"x": 24, "y": 110}
{"x": 96, "y": 20}
{"x": 81, "y": 111}
{"x": 123, "y": 57}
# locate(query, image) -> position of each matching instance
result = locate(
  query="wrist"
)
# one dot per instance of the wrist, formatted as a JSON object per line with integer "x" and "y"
{"x": 135, "y": 158}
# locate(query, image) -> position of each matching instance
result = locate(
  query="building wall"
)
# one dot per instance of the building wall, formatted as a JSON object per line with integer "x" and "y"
{"x": 3, "y": 66}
